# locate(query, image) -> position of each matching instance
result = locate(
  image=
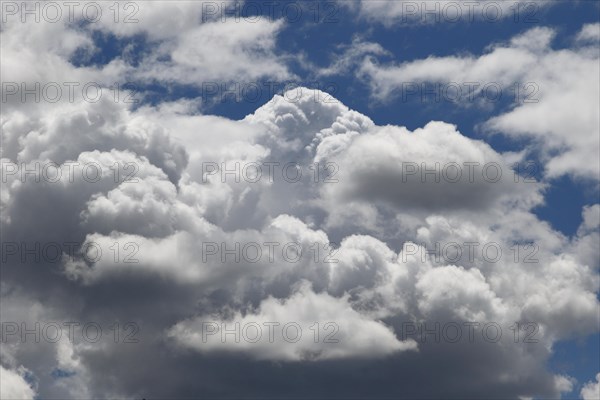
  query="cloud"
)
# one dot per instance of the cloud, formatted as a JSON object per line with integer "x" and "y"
{"x": 370, "y": 240}
{"x": 432, "y": 168}
{"x": 589, "y": 33}
{"x": 558, "y": 83}
{"x": 351, "y": 55}
{"x": 358, "y": 336}
{"x": 218, "y": 52}
{"x": 387, "y": 270}
{"x": 591, "y": 390}
{"x": 201, "y": 49}
{"x": 406, "y": 12}
{"x": 14, "y": 386}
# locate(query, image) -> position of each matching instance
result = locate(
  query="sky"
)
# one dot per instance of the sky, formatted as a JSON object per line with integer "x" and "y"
{"x": 300, "y": 199}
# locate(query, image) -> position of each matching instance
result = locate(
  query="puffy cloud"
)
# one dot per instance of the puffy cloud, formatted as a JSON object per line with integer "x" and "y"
{"x": 432, "y": 168}
{"x": 380, "y": 277}
{"x": 99, "y": 127}
{"x": 591, "y": 390}
{"x": 456, "y": 291}
{"x": 155, "y": 19}
{"x": 14, "y": 386}
{"x": 216, "y": 52}
{"x": 584, "y": 243}
{"x": 589, "y": 33}
{"x": 556, "y": 91}
{"x": 202, "y": 48}
{"x": 354, "y": 336}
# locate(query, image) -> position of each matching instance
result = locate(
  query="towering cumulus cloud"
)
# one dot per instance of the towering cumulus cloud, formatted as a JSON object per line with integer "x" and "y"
{"x": 158, "y": 249}
{"x": 191, "y": 295}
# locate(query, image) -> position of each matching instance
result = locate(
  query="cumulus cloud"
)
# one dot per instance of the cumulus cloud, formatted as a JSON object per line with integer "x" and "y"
{"x": 434, "y": 167}
{"x": 14, "y": 386}
{"x": 383, "y": 272}
{"x": 591, "y": 390}
{"x": 589, "y": 33}
{"x": 358, "y": 335}
{"x": 553, "y": 90}
{"x": 149, "y": 234}
{"x": 201, "y": 49}
{"x": 217, "y": 52}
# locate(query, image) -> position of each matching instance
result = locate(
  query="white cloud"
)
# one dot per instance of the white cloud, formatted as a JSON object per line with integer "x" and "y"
{"x": 589, "y": 33}
{"x": 218, "y": 52}
{"x": 170, "y": 217}
{"x": 591, "y": 390}
{"x": 561, "y": 83}
{"x": 351, "y": 54}
{"x": 14, "y": 386}
{"x": 341, "y": 331}
{"x": 432, "y": 168}
{"x": 198, "y": 50}
{"x": 398, "y": 12}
